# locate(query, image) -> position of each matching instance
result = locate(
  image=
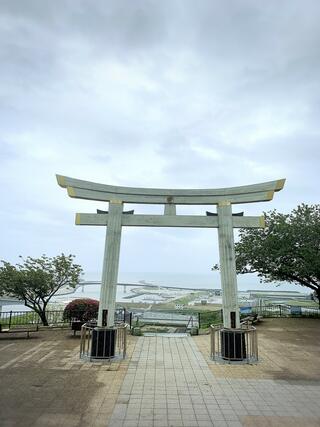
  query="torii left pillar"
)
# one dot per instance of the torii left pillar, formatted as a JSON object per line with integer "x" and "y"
{"x": 110, "y": 270}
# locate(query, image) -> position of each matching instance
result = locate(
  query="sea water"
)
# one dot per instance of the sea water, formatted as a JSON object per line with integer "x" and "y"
{"x": 186, "y": 280}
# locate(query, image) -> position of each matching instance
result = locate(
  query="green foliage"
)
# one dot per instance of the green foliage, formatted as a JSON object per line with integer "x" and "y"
{"x": 288, "y": 249}
{"x": 136, "y": 331}
{"x": 83, "y": 309}
{"x": 208, "y": 318}
{"x": 36, "y": 280}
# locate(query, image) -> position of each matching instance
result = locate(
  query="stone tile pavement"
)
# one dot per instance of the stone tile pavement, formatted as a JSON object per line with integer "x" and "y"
{"x": 163, "y": 382}
{"x": 44, "y": 383}
{"x": 289, "y": 349}
{"x": 169, "y": 383}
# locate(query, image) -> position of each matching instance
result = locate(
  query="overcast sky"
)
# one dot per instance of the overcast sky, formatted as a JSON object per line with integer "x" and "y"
{"x": 152, "y": 93}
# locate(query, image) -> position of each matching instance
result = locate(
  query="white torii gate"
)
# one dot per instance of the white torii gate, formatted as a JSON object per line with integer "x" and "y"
{"x": 115, "y": 218}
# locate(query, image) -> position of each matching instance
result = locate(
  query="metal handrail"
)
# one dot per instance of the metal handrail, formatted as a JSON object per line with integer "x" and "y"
{"x": 190, "y": 321}
{"x": 54, "y": 317}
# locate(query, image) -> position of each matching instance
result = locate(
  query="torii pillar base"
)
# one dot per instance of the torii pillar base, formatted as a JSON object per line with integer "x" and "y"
{"x": 103, "y": 343}
{"x": 233, "y": 344}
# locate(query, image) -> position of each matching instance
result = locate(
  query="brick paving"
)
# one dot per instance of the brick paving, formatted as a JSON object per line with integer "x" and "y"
{"x": 169, "y": 383}
{"x": 163, "y": 382}
{"x": 44, "y": 383}
{"x": 289, "y": 349}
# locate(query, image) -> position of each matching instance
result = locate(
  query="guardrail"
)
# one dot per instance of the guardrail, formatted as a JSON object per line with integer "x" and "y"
{"x": 285, "y": 310}
{"x": 54, "y": 318}
{"x": 103, "y": 343}
{"x": 22, "y": 318}
{"x": 202, "y": 319}
{"x": 190, "y": 323}
{"x": 234, "y": 345}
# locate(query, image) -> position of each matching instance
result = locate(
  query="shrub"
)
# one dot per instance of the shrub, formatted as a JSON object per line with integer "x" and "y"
{"x": 83, "y": 309}
{"x": 208, "y": 318}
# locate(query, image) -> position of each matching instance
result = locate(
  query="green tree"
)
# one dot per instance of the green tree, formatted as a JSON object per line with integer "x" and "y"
{"x": 36, "y": 280}
{"x": 287, "y": 249}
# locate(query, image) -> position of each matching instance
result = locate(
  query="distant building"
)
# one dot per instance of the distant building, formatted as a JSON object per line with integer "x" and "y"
{"x": 179, "y": 306}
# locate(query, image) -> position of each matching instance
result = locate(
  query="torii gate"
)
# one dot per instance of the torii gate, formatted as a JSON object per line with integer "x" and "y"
{"x": 116, "y": 218}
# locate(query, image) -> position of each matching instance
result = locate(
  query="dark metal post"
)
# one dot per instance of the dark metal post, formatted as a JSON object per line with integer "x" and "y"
{"x": 104, "y": 317}
{"x": 199, "y": 320}
{"x": 10, "y": 319}
{"x": 233, "y": 319}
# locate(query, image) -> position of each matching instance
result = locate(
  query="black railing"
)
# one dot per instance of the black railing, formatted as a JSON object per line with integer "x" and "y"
{"x": 124, "y": 316}
{"x": 283, "y": 310}
{"x": 203, "y": 318}
{"x": 207, "y": 318}
{"x": 12, "y": 318}
{"x": 54, "y": 318}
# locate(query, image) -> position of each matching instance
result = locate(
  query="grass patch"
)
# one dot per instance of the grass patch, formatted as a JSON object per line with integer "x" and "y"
{"x": 208, "y": 318}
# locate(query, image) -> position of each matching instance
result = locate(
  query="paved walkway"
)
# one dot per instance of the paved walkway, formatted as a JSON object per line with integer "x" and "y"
{"x": 44, "y": 383}
{"x": 162, "y": 382}
{"x": 289, "y": 349}
{"x": 169, "y": 383}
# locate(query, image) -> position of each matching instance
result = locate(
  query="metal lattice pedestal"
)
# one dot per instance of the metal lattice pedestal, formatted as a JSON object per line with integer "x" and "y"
{"x": 103, "y": 343}
{"x": 234, "y": 345}
{"x": 99, "y": 343}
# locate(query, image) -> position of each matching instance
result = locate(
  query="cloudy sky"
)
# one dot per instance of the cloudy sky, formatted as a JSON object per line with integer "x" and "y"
{"x": 152, "y": 93}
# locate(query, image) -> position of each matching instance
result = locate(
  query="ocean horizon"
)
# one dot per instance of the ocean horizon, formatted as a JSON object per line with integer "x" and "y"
{"x": 186, "y": 280}
{"x": 198, "y": 280}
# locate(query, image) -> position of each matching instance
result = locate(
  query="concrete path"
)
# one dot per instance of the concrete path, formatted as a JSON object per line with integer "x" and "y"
{"x": 169, "y": 383}
{"x": 43, "y": 383}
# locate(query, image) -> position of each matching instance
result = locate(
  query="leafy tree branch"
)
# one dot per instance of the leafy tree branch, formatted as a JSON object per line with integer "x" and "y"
{"x": 287, "y": 249}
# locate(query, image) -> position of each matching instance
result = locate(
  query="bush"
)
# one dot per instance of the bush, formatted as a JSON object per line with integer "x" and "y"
{"x": 81, "y": 309}
{"x": 208, "y": 318}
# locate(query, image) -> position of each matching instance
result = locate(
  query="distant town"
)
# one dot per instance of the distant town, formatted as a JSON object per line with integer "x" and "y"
{"x": 169, "y": 298}
{"x": 145, "y": 295}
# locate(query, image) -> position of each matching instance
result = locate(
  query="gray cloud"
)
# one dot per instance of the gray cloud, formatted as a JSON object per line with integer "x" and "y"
{"x": 159, "y": 94}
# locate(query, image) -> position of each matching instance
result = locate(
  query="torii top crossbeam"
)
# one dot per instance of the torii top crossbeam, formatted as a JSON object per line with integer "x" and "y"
{"x": 245, "y": 194}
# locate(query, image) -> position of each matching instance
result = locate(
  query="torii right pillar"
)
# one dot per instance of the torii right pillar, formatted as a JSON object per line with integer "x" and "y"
{"x": 231, "y": 316}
